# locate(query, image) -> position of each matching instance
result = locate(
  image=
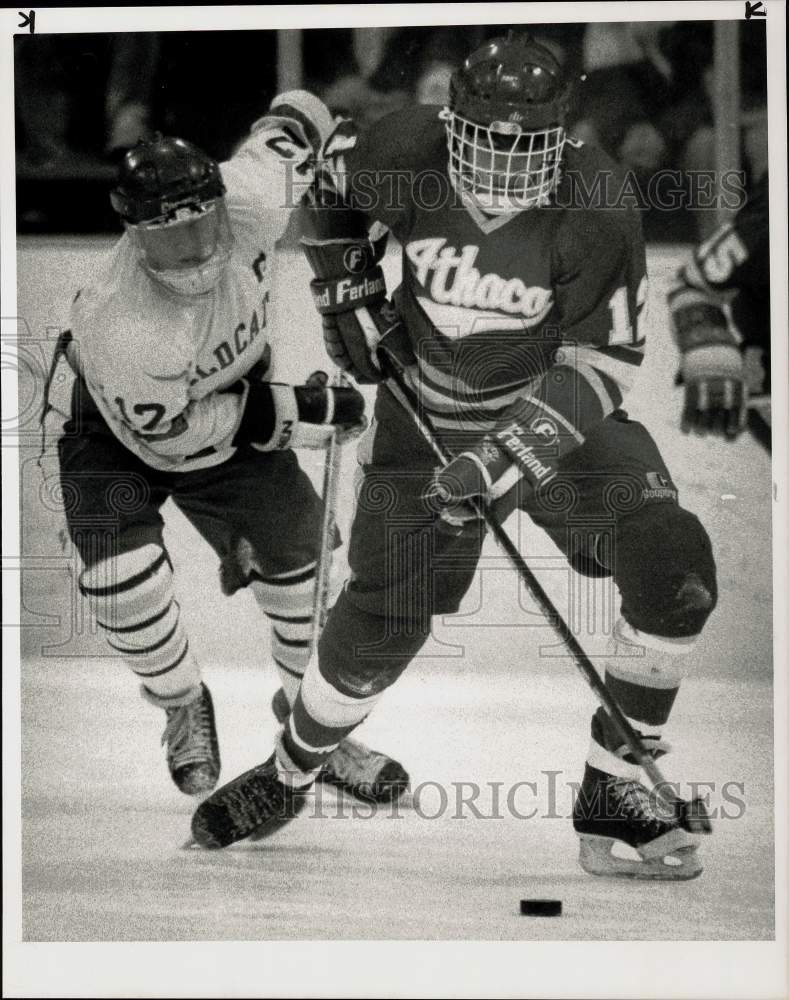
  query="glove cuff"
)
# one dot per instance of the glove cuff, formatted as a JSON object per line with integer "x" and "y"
{"x": 342, "y": 295}
{"x": 270, "y": 417}
{"x": 712, "y": 361}
{"x": 700, "y": 325}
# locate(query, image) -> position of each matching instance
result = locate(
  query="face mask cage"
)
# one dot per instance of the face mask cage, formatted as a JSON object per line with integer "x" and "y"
{"x": 503, "y": 168}
{"x": 188, "y": 249}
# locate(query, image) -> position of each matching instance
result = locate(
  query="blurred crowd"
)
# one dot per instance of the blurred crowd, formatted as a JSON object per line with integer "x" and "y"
{"x": 643, "y": 93}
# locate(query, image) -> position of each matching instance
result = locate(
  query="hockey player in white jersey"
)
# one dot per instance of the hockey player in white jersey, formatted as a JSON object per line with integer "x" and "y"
{"x": 174, "y": 398}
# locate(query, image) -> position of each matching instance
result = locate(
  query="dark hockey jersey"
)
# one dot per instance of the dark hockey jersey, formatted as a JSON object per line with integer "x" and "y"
{"x": 543, "y": 304}
{"x": 732, "y": 268}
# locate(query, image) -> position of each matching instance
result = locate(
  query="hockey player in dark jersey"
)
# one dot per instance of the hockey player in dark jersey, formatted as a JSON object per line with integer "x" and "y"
{"x": 725, "y": 364}
{"x": 517, "y": 323}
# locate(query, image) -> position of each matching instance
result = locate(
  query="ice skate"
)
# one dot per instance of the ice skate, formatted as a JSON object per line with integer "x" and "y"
{"x": 192, "y": 744}
{"x": 354, "y": 768}
{"x": 610, "y": 810}
{"x": 255, "y": 803}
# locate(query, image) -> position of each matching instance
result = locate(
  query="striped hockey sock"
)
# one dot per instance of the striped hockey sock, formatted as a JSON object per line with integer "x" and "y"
{"x": 132, "y": 599}
{"x": 287, "y": 601}
{"x": 321, "y": 718}
{"x": 360, "y": 656}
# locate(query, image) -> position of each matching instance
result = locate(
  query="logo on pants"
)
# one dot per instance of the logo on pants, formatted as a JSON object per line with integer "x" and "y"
{"x": 660, "y": 487}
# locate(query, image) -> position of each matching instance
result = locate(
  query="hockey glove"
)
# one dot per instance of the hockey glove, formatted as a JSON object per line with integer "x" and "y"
{"x": 350, "y": 294}
{"x": 510, "y": 462}
{"x": 712, "y": 372}
{"x": 463, "y": 488}
{"x": 278, "y": 416}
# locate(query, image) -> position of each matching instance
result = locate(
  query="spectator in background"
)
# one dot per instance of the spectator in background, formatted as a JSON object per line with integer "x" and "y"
{"x": 688, "y": 122}
{"x": 626, "y": 88}
{"x": 129, "y": 94}
{"x": 648, "y": 98}
{"x": 392, "y": 66}
{"x": 383, "y": 74}
{"x": 81, "y": 97}
{"x": 212, "y": 84}
{"x": 59, "y": 92}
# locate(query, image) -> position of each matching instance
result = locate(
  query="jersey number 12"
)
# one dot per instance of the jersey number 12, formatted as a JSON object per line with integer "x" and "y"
{"x": 621, "y": 331}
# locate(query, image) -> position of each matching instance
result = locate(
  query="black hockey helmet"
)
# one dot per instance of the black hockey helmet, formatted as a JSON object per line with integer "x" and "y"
{"x": 512, "y": 79}
{"x": 505, "y": 121}
{"x": 157, "y": 177}
{"x": 170, "y": 195}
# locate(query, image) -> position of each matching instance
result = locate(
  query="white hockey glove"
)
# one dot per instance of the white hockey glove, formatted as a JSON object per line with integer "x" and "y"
{"x": 712, "y": 372}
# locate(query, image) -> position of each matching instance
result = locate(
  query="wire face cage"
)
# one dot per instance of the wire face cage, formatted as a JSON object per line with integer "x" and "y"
{"x": 503, "y": 167}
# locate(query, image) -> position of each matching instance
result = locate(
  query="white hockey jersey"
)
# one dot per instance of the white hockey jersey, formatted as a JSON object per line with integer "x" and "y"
{"x": 156, "y": 363}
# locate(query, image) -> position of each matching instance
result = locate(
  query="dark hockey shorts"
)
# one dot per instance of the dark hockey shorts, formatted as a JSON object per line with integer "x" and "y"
{"x": 404, "y": 566}
{"x": 257, "y": 509}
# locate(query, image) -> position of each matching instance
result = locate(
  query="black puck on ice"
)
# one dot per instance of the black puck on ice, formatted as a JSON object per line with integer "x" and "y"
{"x": 541, "y": 907}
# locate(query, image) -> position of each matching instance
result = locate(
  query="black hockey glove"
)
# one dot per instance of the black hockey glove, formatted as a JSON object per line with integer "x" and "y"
{"x": 712, "y": 371}
{"x": 350, "y": 294}
{"x": 278, "y": 416}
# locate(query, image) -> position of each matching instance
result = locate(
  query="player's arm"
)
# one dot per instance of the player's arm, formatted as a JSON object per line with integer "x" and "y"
{"x": 155, "y": 414}
{"x": 711, "y": 363}
{"x": 351, "y": 206}
{"x": 273, "y": 167}
{"x": 600, "y": 305}
{"x": 711, "y": 366}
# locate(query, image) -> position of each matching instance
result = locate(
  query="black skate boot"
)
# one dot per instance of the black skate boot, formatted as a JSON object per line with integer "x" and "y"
{"x": 353, "y": 767}
{"x": 611, "y": 809}
{"x": 192, "y": 744}
{"x": 254, "y": 804}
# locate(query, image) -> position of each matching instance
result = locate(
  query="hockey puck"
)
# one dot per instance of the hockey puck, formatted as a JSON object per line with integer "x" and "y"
{"x": 541, "y": 907}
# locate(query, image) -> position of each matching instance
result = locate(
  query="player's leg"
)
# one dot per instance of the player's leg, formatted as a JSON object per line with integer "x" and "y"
{"x": 403, "y": 570}
{"x": 270, "y": 546}
{"x": 661, "y": 561}
{"x": 112, "y": 503}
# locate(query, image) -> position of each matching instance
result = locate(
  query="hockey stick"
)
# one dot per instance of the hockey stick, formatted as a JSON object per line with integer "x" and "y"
{"x": 331, "y": 478}
{"x": 692, "y": 816}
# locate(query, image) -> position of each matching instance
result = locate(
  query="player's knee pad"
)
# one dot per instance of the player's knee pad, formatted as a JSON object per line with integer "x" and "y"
{"x": 665, "y": 571}
{"x": 362, "y": 654}
{"x": 131, "y": 596}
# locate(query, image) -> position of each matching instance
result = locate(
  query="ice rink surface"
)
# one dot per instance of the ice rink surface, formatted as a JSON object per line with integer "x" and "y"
{"x": 491, "y": 705}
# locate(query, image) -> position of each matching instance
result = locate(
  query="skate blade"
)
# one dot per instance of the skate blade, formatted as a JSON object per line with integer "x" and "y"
{"x": 679, "y": 865}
